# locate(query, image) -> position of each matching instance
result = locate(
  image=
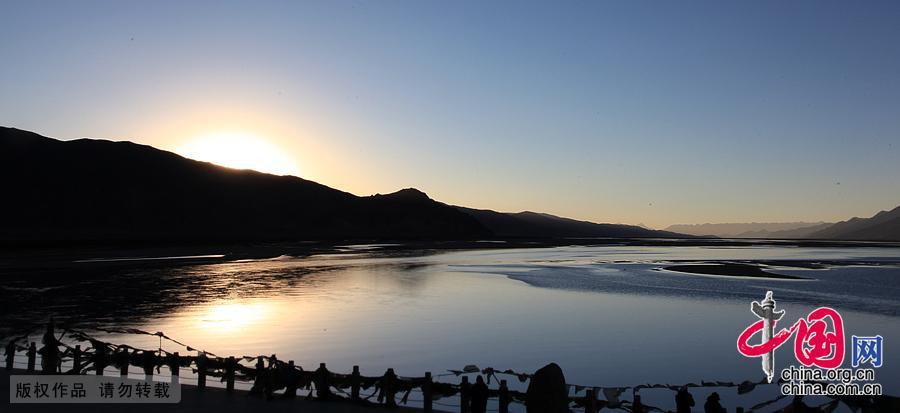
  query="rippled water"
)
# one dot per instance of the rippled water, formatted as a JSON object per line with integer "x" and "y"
{"x": 610, "y": 316}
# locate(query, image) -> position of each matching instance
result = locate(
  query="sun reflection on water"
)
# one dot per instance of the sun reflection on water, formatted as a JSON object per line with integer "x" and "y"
{"x": 232, "y": 316}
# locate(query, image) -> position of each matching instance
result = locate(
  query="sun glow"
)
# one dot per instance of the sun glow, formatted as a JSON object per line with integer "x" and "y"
{"x": 239, "y": 151}
{"x": 228, "y": 317}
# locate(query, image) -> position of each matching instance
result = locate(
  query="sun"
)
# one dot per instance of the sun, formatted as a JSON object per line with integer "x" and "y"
{"x": 239, "y": 151}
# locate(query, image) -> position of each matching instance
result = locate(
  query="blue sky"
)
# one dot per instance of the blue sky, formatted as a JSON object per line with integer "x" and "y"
{"x": 637, "y": 112}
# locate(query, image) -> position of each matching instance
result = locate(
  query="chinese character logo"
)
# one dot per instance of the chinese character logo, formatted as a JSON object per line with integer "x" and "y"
{"x": 815, "y": 343}
{"x": 768, "y": 317}
{"x": 866, "y": 349}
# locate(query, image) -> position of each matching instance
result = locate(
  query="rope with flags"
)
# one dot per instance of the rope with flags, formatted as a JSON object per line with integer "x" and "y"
{"x": 271, "y": 374}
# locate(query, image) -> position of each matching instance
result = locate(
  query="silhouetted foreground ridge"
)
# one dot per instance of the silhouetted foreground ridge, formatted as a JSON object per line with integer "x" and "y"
{"x": 101, "y": 190}
{"x": 98, "y": 190}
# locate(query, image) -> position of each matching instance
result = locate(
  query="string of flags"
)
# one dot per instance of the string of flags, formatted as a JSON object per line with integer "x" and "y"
{"x": 106, "y": 353}
{"x": 614, "y": 401}
{"x": 490, "y": 373}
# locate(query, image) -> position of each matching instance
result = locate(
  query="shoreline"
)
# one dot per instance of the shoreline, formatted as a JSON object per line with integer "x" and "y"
{"x": 24, "y": 258}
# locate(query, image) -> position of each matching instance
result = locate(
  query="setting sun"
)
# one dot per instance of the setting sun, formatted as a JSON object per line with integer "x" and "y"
{"x": 239, "y": 151}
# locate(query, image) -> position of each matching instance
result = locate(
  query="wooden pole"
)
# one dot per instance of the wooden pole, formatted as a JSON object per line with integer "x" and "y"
{"x": 464, "y": 401}
{"x": 590, "y": 403}
{"x": 389, "y": 388}
{"x": 290, "y": 390}
{"x": 32, "y": 353}
{"x": 175, "y": 367}
{"x": 10, "y": 354}
{"x": 229, "y": 374}
{"x": 148, "y": 362}
{"x": 503, "y": 398}
{"x": 426, "y": 393}
{"x": 201, "y": 370}
{"x": 123, "y": 356}
{"x": 76, "y": 359}
{"x": 354, "y": 384}
{"x": 323, "y": 386}
{"x": 260, "y": 382}
{"x": 101, "y": 359}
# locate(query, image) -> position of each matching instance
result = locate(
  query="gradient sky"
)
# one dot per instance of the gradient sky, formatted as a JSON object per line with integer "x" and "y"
{"x": 618, "y": 111}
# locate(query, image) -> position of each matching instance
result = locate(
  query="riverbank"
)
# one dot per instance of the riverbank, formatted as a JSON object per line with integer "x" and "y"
{"x": 49, "y": 260}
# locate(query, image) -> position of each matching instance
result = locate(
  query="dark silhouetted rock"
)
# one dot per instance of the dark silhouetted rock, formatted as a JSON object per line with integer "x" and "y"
{"x": 712, "y": 404}
{"x": 684, "y": 400}
{"x": 547, "y": 391}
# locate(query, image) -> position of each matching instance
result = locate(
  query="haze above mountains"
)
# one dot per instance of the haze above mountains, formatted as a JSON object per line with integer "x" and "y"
{"x": 97, "y": 190}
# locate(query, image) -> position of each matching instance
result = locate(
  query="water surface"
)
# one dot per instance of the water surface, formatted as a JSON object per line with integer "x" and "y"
{"x": 610, "y": 316}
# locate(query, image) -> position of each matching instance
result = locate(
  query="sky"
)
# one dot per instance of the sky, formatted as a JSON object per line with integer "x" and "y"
{"x": 611, "y": 111}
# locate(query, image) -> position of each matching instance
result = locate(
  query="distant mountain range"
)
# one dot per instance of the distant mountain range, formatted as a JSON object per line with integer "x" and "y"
{"x": 88, "y": 190}
{"x": 883, "y": 226}
{"x": 536, "y": 225}
{"x": 795, "y": 233}
{"x": 781, "y": 230}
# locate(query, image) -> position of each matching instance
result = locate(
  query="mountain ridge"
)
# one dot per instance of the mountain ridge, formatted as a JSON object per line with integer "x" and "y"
{"x": 742, "y": 229}
{"x": 883, "y": 226}
{"x": 528, "y": 224}
{"x": 87, "y": 189}
{"x": 94, "y": 189}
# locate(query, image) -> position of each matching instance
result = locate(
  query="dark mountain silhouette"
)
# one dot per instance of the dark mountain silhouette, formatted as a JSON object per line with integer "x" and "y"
{"x": 537, "y": 225}
{"x": 97, "y": 190}
{"x": 409, "y": 196}
{"x": 883, "y": 226}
